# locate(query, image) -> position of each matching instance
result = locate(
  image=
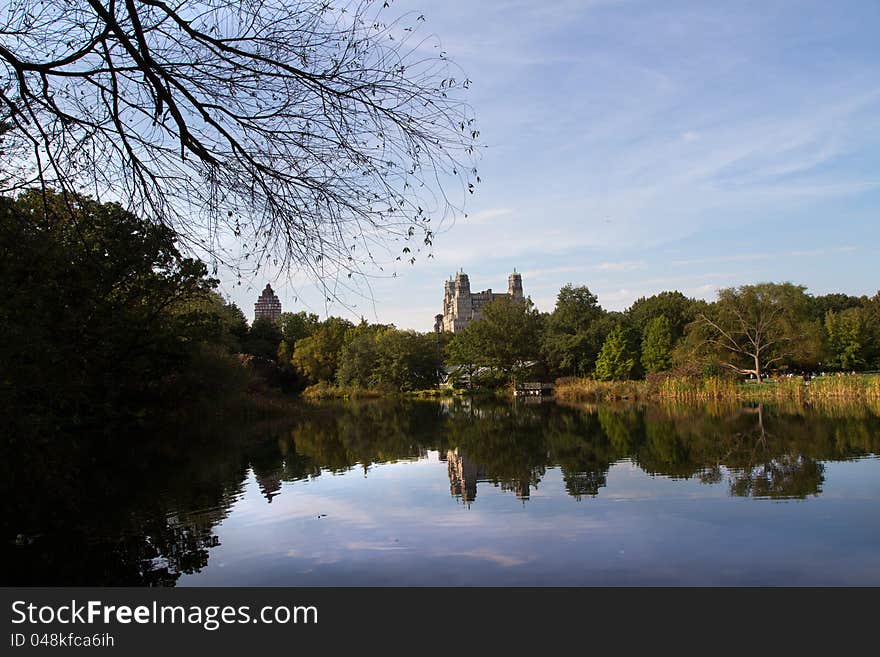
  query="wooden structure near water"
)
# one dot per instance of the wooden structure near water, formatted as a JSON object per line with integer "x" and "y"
{"x": 533, "y": 389}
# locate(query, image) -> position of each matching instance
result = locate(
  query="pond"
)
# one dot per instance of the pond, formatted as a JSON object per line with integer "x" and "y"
{"x": 459, "y": 493}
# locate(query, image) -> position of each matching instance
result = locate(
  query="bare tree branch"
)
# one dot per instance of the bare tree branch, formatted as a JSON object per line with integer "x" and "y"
{"x": 304, "y": 133}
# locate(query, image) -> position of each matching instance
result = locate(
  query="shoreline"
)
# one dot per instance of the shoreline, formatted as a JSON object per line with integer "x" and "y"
{"x": 832, "y": 389}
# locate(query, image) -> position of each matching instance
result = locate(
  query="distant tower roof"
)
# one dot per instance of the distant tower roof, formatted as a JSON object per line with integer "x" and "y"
{"x": 268, "y": 306}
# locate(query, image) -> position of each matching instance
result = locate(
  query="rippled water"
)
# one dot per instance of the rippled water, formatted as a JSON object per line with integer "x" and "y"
{"x": 465, "y": 494}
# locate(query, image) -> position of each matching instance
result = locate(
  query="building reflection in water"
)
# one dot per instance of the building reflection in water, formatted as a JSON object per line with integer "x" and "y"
{"x": 465, "y": 473}
{"x": 463, "y": 476}
{"x": 520, "y": 488}
{"x": 269, "y": 483}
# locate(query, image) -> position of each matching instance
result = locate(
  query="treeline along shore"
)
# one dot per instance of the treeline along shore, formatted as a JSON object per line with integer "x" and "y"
{"x": 755, "y": 342}
{"x": 106, "y": 321}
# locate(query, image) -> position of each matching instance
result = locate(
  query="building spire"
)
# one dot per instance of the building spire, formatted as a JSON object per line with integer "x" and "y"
{"x": 268, "y": 306}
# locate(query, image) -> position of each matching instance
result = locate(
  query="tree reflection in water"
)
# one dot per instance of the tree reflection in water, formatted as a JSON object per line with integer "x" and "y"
{"x": 142, "y": 511}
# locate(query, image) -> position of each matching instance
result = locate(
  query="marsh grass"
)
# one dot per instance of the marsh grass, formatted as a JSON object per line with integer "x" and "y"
{"x": 592, "y": 391}
{"x": 829, "y": 388}
{"x": 711, "y": 388}
{"x": 320, "y": 391}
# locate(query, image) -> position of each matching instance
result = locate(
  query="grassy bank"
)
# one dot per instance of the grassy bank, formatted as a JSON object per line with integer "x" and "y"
{"x": 320, "y": 391}
{"x": 668, "y": 388}
{"x": 832, "y": 388}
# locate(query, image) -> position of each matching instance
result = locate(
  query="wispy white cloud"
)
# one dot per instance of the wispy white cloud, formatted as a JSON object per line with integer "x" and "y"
{"x": 621, "y": 266}
{"x": 767, "y": 255}
{"x": 534, "y": 274}
{"x": 487, "y": 216}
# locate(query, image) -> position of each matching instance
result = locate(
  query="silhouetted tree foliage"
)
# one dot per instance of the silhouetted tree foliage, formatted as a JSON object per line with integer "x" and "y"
{"x": 223, "y": 323}
{"x": 101, "y": 315}
{"x": 263, "y": 339}
{"x": 305, "y": 132}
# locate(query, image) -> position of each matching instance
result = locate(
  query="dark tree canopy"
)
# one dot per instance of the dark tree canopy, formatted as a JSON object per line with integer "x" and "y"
{"x": 263, "y": 339}
{"x": 102, "y": 316}
{"x": 302, "y": 132}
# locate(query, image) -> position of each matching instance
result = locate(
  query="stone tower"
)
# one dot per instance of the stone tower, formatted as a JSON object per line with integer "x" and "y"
{"x": 461, "y": 306}
{"x": 514, "y": 285}
{"x": 268, "y": 306}
{"x": 463, "y": 303}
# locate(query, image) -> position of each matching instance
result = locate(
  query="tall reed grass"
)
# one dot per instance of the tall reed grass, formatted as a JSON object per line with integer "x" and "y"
{"x": 320, "y": 391}
{"x": 592, "y": 391}
{"x": 710, "y": 388}
{"x": 832, "y": 388}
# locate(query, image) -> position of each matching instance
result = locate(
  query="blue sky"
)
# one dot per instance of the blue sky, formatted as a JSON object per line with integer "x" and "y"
{"x": 636, "y": 147}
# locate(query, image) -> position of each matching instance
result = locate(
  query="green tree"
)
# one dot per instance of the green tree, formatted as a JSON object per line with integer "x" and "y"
{"x": 100, "y": 313}
{"x": 753, "y": 327}
{"x": 405, "y": 360}
{"x": 657, "y": 345}
{"x": 508, "y": 334}
{"x": 263, "y": 339}
{"x": 294, "y": 326}
{"x": 357, "y": 361}
{"x": 574, "y": 331}
{"x": 837, "y": 302}
{"x": 222, "y": 323}
{"x": 678, "y": 309}
{"x": 317, "y": 356}
{"x": 465, "y": 351}
{"x": 852, "y": 339}
{"x": 617, "y": 359}
{"x": 233, "y": 327}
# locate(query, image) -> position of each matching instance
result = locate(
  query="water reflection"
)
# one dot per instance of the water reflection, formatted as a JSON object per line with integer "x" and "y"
{"x": 95, "y": 512}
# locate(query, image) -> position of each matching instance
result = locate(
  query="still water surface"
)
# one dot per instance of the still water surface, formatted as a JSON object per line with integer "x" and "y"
{"x": 467, "y": 494}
